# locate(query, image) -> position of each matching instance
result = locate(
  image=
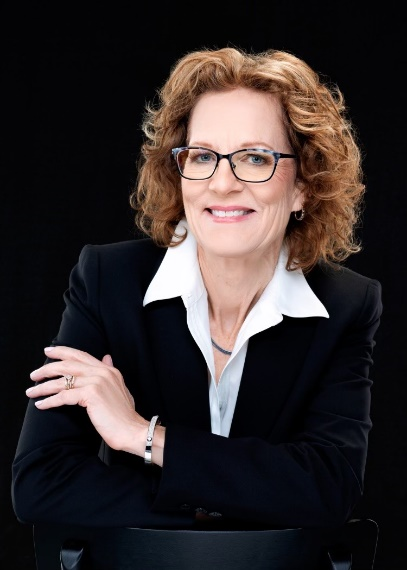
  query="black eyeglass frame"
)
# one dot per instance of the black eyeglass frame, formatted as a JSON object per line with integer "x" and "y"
{"x": 276, "y": 155}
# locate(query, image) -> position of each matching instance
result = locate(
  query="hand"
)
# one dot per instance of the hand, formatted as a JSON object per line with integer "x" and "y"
{"x": 99, "y": 387}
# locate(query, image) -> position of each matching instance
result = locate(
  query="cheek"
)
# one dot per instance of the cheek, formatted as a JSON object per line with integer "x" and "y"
{"x": 190, "y": 203}
{"x": 277, "y": 198}
{"x": 183, "y": 192}
{"x": 193, "y": 195}
{"x": 185, "y": 202}
{"x": 286, "y": 195}
{"x": 188, "y": 194}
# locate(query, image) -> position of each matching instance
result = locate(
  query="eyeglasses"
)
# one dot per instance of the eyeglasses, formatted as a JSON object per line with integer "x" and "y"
{"x": 247, "y": 164}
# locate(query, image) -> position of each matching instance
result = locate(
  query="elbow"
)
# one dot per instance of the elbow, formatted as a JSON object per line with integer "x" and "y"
{"x": 25, "y": 501}
{"x": 21, "y": 503}
{"x": 21, "y": 507}
{"x": 337, "y": 511}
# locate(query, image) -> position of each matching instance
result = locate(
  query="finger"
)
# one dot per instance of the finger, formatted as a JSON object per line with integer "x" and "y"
{"x": 82, "y": 364}
{"x": 107, "y": 359}
{"x": 68, "y": 353}
{"x": 63, "y": 398}
{"x": 60, "y": 368}
{"x": 51, "y": 387}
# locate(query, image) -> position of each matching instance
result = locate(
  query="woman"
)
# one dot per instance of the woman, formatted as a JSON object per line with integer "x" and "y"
{"x": 217, "y": 369}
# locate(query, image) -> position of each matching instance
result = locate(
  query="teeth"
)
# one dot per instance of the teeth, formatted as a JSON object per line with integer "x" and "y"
{"x": 228, "y": 213}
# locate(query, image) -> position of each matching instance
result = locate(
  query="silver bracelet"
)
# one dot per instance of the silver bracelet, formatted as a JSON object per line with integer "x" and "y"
{"x": 149, "y": 441}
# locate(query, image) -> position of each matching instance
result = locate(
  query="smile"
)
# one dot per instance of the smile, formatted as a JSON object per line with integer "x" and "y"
{"x": 229, "y": 213}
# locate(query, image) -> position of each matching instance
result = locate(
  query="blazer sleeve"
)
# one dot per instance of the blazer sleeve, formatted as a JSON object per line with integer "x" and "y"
{"x": 58, "y": 474}
{"x": 312, "y": 477}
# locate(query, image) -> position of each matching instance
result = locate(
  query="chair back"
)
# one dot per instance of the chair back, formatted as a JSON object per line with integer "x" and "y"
{"x": 60, "y": 547}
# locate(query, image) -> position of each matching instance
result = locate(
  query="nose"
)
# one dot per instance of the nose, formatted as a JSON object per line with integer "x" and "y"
{"x": 223, "y": 180}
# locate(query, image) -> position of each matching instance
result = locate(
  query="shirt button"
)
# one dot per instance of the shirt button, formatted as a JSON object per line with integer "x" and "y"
{"x": 201, "y": 511}
{"x": 185, "y": 507}
{"x": 215, "y": 514}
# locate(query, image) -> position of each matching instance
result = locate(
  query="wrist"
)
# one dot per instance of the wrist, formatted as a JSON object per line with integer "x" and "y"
{"x": 149, "y": 439}
{"x": 158, "y": 445}
{"x": 136, "y": 440}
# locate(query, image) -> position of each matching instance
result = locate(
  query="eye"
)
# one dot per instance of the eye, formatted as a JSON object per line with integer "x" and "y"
{"x": 207, "y": 157}
{"x": 257, "y": 158}
{"x": 201, "y": 156}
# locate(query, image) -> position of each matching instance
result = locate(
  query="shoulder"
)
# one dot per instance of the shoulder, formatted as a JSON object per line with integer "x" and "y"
{"x": 339, "y": 277}
{"x": 341, "y": 288}
{"x": 139, "y": 258}
{"x": 123, "y": 251}
{"x": 128, "y": 247}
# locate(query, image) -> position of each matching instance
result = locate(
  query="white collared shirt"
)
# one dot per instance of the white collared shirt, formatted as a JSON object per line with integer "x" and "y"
{"x": 288, "y": 293}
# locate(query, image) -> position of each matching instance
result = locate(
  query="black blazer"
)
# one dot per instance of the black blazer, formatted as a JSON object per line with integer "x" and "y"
{"x": 297, "y": 447}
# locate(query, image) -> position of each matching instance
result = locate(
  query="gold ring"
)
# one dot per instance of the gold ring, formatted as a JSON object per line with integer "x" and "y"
{"x": 69, "y": 381}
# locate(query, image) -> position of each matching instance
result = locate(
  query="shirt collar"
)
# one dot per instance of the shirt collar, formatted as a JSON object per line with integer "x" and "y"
{"x": 179, "y": 275}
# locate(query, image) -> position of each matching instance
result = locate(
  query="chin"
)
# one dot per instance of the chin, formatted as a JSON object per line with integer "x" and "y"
{"x": 231, "y": 252}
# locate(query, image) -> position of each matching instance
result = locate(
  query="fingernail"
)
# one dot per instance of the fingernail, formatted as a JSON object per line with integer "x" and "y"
{"x": 29, "y": 389}
{"x": 33, "y": 374}
{"x": 39, "y": 403}
{"x": 48, "y": 348}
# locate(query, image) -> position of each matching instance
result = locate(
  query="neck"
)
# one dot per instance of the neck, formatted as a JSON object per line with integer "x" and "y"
{"x": 233, "y": 288}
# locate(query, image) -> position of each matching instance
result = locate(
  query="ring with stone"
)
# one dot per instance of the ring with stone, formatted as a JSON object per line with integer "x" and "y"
{"x": 69, "y": 382}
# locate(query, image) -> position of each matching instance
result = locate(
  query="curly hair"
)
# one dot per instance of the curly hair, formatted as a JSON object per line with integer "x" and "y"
{"x": 319, "y": 130}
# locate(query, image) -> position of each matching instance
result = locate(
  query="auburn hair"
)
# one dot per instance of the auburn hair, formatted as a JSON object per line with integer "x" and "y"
{"x": 319, "y": 130}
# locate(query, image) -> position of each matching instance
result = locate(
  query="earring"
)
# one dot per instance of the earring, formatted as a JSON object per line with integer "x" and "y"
{"x": 300, "y": 216}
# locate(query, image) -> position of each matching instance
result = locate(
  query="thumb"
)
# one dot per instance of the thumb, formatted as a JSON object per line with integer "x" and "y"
{"x": 107, "y": 359}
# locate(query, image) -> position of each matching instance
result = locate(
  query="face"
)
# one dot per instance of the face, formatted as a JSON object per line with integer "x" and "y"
{"x": 228, "y": 217}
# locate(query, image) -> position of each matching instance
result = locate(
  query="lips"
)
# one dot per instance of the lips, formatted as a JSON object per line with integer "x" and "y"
{"x": 229, "y": 213}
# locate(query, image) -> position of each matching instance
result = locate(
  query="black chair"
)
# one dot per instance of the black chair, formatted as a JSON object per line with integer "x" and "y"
{"x": 77, "y": 548}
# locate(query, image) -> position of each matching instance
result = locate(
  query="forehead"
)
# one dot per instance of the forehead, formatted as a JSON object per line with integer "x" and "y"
{"x": 239, "y": 116}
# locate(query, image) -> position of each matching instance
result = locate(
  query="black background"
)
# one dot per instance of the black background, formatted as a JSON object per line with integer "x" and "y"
{"x": 74, "y": 84}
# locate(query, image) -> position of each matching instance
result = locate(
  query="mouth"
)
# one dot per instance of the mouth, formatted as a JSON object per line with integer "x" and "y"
{"x": 229, "y": 213}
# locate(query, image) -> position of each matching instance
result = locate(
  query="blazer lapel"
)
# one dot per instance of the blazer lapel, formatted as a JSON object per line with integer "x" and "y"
{"x": 182, "y": 380}
{"x": 273, "y": 365}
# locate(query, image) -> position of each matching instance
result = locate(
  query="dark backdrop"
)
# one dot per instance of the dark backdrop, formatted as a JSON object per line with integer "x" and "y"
{"x": 74, "y": 84}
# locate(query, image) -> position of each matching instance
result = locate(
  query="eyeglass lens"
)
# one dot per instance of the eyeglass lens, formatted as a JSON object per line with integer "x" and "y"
{"x": 248, "y": 165}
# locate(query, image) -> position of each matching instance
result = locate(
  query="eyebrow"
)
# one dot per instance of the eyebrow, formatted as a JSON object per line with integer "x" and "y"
{"x": 264, "y": 145}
